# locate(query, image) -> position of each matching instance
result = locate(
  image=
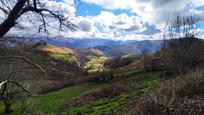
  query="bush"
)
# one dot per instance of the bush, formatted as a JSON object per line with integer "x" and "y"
{"x": 52, "y": 85}
{"x": 114, "y": 90}
{"x": 119, "y": 62}
{"x": 182, "y": 55}
{"x": 105, "y": 76}
{"x": 175, "y": 97}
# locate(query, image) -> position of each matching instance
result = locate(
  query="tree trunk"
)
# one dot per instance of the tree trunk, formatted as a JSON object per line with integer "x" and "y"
{"x": 5, "y": 27}
{"x": 7, "y": 108}
{"x": 12, "y": 17}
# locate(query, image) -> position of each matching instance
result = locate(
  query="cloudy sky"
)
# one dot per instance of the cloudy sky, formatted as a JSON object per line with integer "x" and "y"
{"x": 120, "y": 19}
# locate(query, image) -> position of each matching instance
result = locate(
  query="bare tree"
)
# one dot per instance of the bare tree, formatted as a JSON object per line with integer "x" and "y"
{"x": 182, "y": 51}
{"x": 18, "y": 79}
{"x": 182, "y": 27}
{"x": 14, "y": 9}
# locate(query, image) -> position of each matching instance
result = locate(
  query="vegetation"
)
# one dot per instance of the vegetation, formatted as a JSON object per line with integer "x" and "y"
{"x": 131, "y": 56}
{"x": 183, "y": 58}
{"x": 107, "y": 104}
{"x": 17, "y": 80}
{"x": 64, "y": 57}
{"x": 113, "y": 104}
{"x": 56, "y": 99}
{"x": 183, "y": 51}
{"x": 178, "y": 96}
{"x": 139, "y": 79}
{"x": 121, "y": 61}
{"x": 95, "y": 64}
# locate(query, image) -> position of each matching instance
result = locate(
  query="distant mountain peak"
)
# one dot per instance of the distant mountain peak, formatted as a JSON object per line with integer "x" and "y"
{"x": 105, "y": 46}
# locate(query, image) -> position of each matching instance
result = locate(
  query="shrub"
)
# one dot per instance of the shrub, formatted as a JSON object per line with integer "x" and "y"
{"x": 52, "y": 86}
{"x": 175, "y": 97}
{"x": 182, "y": 55}
{"x": 120, "y": 61}
{"x": 105, "y": 76}
{"x": 114, "y": 90}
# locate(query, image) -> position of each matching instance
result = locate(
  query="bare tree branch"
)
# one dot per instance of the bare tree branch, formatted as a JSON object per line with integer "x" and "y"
{"x": 25, "y": 60}
{"x": 36, "y": 6}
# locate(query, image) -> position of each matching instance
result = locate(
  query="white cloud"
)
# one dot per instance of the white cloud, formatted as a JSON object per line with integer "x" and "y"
{"x": 150, "y": 16}
{"x": 198, "y": 13}
{"x": 152, "y": 11}
{"x": 85, "y": 25}
{"x": 108, "y": 25}
{"x": 198, "y": 3}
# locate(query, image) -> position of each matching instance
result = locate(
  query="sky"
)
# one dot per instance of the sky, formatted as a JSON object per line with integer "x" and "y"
{"x": 117, "y": 19}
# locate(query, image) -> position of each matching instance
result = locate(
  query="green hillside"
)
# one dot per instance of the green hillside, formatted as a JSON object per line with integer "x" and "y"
{"x": 63, "y": 69}
{"x": 58, "y": 102}
{"x": 80, "y": 83}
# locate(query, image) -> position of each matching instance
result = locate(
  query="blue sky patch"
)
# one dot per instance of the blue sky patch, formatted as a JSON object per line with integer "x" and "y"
{"x": 87, "y": 9}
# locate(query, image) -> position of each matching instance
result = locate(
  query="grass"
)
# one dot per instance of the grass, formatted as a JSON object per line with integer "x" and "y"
{"x": 64, "y": 57}
{"x": 113, "y": 105}
{"x": 91, "y": 57}
{"x": 105, "y": 106}
{"x": 131, "y": 56}
{"x": 50, "y": 103}
{"x": 56, "y": 49}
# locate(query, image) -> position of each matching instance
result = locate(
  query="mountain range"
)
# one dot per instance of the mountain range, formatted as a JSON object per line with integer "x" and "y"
{"x": 100, "y": 47}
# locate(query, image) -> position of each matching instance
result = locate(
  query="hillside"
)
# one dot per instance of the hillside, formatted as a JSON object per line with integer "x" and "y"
{"x": 134, "y": 47}
{"x": 68, "y": 82}
{"x": 60, "y": 63}
{"x": 79, "y": 82}
{"x": 72, "y": 100}
{"x": 102, "y": 47}
{"x": 54, "y": 49}
{"x": 66, "y": 54}
{"x": 101, "y": 57}
{"x": 105, "y": 51}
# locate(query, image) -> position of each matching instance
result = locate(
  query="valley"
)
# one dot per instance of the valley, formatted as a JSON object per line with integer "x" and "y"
{"x": 86, "y": 81}
{"x": 73, "y": 75}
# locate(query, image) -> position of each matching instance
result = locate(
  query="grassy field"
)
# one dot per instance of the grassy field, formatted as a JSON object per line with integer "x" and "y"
{"x": 50, "y": 103}
{"x": 113, "y": 105}
{"x": 63, "y": 57}
{"x": 56, "y": 49}
{"x": 131, "y": 56}
{"x": 53, "y": 102}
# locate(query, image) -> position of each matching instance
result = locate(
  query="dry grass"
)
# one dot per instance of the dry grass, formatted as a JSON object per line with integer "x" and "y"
{"x": 96, "y": 52}
{"x": 55, "y": 49}
{"x": 181, "y": 96}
